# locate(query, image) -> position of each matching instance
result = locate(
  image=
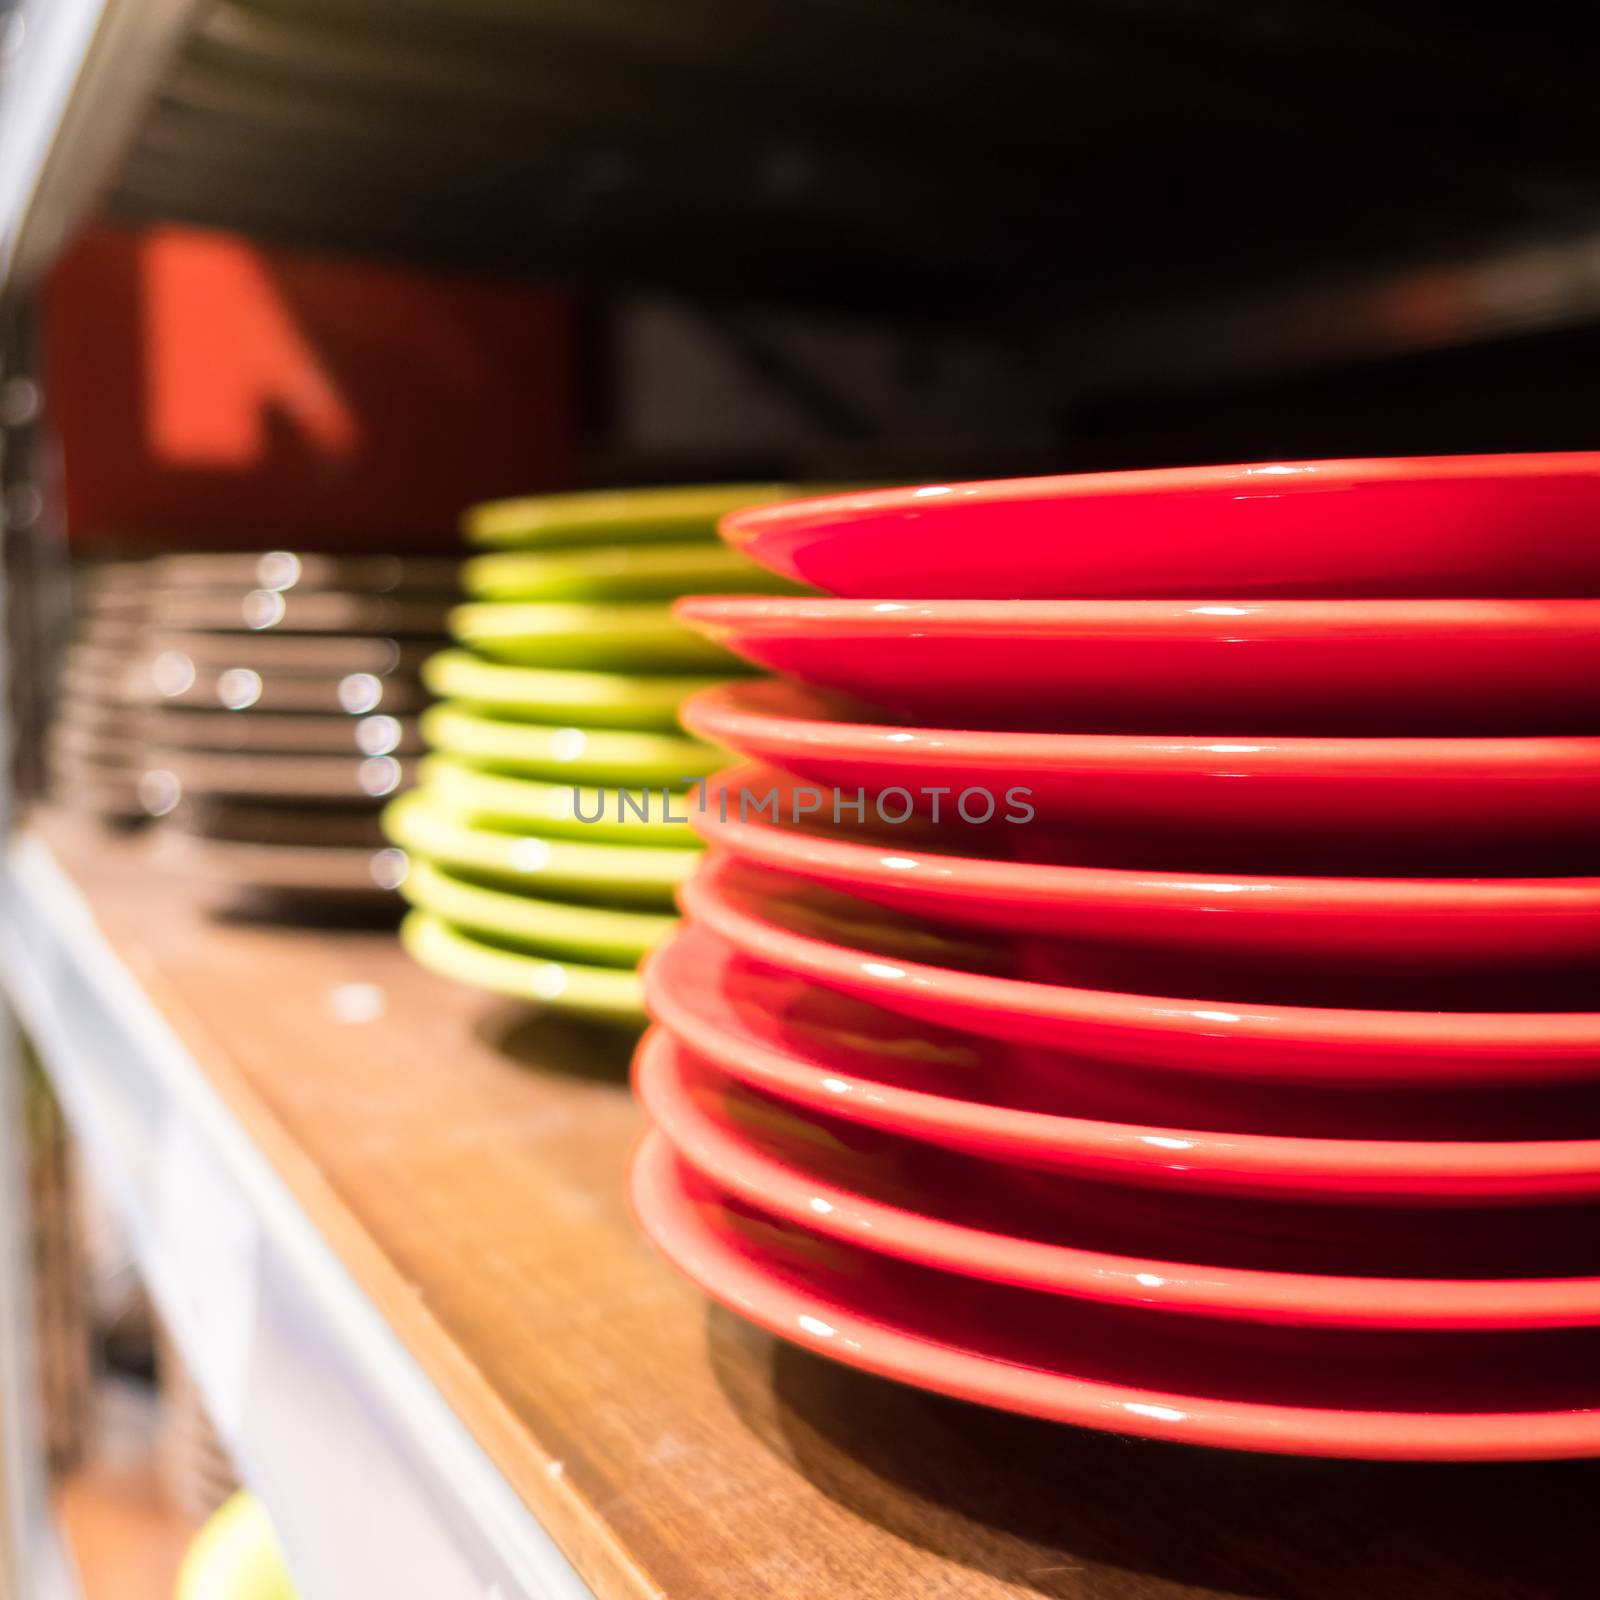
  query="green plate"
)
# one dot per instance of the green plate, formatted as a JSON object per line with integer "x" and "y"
{"x": 235, "y": 1556}
{"x": 604, "y": 935}
{"x": 637, "y": 637}
{"x": 607, "y": 516}
{"x": 619, "y": 572}
{"x": 612, "y": 994}
{"x": 638, "y": 874}
{"x": 559, "y": 809}
{"x": 597, "y": 699}
{"x": 583, "y": 755}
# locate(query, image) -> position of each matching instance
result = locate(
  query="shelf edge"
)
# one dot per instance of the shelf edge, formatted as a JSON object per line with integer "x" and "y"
{"x": 375, "y": 1441}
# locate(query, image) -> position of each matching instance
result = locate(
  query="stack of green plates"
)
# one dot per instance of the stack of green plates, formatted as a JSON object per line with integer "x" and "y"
{"x": 548, "y": 830}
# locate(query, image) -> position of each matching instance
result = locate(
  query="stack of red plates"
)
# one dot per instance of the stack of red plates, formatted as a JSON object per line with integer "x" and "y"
{"x": 1148, "y": 972}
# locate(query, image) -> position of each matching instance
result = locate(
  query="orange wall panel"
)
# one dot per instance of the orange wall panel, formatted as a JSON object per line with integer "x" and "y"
{"x": 212, "y": 391}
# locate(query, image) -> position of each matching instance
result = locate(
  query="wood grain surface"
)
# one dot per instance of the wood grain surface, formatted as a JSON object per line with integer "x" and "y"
{"x": 466, "y": 1162}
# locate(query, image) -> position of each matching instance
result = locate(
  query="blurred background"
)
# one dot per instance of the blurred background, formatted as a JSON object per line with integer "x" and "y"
{"x": 334, "y": 270}
{"x": 319, "y": 273}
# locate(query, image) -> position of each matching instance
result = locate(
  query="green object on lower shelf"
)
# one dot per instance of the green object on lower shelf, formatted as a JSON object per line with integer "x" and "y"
{"x": 236, "y": 1556}
{"x": 612, "y": 994}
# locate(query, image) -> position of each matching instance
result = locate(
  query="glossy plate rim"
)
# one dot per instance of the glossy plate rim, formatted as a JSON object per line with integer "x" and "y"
{"x": 609, "y": 993}
{"x": 572, "y": 518}
{"x": 718, "y": 1153}
{"x": 1206, "y": 1035}
{"x": 626, "y": 634}
{"x": 468, "y": 790}
{"x": 789, "y": 720}
{"x": 602, "y": 573}
{"x": 693, "y": 962}
{"x": 1220, "y": 617}
{"x": 563, "y": 694}
{"x": 597, "y": 935}
{"x": 666, "y": 1214}
{"x": 1405, "y": 909}
{"x": 606, "y": 756}
{"x": 419, "y": 826}
{"x": 858, "y": 541}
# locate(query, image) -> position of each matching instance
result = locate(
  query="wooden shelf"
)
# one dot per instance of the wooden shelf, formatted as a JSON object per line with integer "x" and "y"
{"x": 463, "y": 1164}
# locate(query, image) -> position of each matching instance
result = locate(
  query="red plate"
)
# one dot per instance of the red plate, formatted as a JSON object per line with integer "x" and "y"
{"x": 971, "y": 1218}
{"x": 1300, "y": 666}
{"x": 1367, "y": 921}
{"x": 1289, "y": 1390}
{"x": 840, "y": 943}
{"x": 850, "y": 1060}
{"x": 1439, "y": 525}
{"x": 1463, "y": 788}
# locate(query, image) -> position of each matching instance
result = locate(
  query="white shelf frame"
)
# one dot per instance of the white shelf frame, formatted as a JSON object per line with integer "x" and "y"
{"x": 71, "y": 98}
{"x": 33, "y": 1560}
{"x": 374, "y": 1483}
